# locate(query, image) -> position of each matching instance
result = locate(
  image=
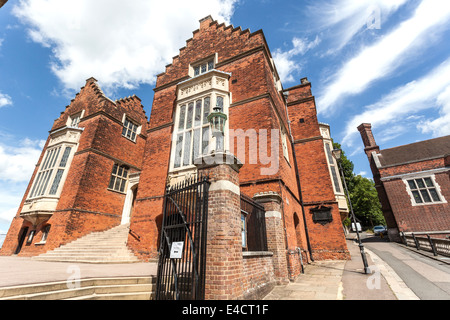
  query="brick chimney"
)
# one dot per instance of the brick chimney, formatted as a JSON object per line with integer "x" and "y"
{"x": 370, "y": 145}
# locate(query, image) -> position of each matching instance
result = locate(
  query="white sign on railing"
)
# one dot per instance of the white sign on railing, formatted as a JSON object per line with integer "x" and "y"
{"x": 176, "y": 251}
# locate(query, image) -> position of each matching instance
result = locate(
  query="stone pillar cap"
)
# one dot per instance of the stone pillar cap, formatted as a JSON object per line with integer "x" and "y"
{"x": 268, "y": 196}
{"x": 218, "y": 158}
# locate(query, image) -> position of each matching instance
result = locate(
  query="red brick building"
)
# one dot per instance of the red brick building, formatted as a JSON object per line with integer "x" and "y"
{"x": 106, "y": 164}
{"x": 413, "y": 184}
{"x": 72, "y": 192}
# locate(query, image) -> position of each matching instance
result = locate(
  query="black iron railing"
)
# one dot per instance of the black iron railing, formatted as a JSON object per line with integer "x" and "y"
{"x": 181, "y": 267}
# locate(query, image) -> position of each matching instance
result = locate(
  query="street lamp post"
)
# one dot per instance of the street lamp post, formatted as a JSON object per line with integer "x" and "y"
{"x": 217, "y": 119}
{"x": 337, "y": 154}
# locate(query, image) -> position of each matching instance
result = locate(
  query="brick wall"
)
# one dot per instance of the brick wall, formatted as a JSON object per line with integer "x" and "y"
{"x": 258, "y": 277}
{"x": 398, "y": 209}
{"x": 419, "y": 218}
{"x": 85, "y": 204}
{"x": 327, "y": 241}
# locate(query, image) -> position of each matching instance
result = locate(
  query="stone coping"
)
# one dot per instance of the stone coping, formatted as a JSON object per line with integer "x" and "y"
{"x": 257, "y": 253}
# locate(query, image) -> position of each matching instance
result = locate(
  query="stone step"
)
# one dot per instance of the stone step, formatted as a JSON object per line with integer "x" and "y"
{"x": 89, "y": 259}
{"x": 86, "y": 289}
{"x": 91, "y": 250}
{"x": 108, "y": 246}
{"x": 118, "y": 296}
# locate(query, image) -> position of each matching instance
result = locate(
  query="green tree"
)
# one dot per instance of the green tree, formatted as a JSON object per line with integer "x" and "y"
{"x": 365, "y": 202}
{"x": 363, "y": 194}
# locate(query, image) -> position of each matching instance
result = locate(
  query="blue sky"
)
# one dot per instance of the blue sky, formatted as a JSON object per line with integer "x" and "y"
{"x": 386, "y": 62}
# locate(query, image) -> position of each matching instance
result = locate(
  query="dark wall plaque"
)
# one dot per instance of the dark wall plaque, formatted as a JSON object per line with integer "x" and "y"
{"x": 322, "y": 215}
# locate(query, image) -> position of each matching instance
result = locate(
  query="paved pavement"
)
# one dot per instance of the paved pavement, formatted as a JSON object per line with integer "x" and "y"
{"x": 323, "y": 280}
{"x": 16, "y": 271}
{"x": 345, "y": 280}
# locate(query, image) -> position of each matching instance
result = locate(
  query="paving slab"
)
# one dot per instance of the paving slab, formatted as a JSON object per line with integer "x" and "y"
{"x": 21, "y": 271}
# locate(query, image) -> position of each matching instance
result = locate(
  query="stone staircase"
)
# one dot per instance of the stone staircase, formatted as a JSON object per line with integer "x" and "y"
{"x": 121, "y": 288}
{"x": 108, "y": 246}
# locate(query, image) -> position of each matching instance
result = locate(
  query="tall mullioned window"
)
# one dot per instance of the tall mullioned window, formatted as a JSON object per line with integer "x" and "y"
{"x": 50, "y": 173}
{"x": 333, "y": 169}
{"x": 193, "y": 133}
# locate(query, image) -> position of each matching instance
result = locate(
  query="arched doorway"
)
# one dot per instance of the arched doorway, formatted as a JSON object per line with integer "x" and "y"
{"x": 130, "y": 198}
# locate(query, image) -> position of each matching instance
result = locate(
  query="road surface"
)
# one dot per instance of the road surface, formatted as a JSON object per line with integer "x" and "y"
{"x": 427, "y": 278}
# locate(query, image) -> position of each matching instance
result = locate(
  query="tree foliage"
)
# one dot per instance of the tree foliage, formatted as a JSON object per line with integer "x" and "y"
{"x": 363, "y": 194}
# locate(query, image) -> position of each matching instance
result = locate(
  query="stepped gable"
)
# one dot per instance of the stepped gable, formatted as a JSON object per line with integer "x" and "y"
{"x": 211, "y": 38}
{"x": 131, "y": 105}
{"x": 92, "y": 100}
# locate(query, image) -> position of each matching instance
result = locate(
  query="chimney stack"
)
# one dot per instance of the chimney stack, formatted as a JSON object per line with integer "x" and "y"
{"x": 370, "y": 145}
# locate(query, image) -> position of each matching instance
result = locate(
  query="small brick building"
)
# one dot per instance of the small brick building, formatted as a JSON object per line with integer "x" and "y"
{"x": 413, "y": 184}
{"x": 106, "y": 164}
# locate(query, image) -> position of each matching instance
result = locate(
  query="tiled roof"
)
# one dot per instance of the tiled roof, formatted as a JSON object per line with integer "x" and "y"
{"x": 418, "y": 151}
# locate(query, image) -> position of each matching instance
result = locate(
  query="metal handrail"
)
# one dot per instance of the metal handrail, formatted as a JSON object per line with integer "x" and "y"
{"x": 434, "y": 245}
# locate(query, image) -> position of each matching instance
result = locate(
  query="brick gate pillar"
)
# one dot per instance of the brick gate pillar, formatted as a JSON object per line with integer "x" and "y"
{"x": 275, "y": 233}
{"x": 224, "y": 261}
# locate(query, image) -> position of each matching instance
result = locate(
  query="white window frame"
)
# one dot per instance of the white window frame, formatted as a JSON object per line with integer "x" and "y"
{"x": 31, "y": 236}
{"x": 333, "y": 167}
{"x": 45, "y": 233}
{"x": 435, "y": 186}
{"x": 204, "y": 65}
{"x": 212, "y": 84}
{"x": 244, "y": 229}
{"x": 122, "y": 178}
{"x": 128, "y": 131}
{"x": 204, "y": 124}
{"x": 52, "y": 171}
{"x": 284, "y": 144}
{"x": 74, "y": 120}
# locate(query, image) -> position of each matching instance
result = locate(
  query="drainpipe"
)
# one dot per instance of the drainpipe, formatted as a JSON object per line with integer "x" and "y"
{"x": 286, "y": 94}
{"x": 301, "y": 259}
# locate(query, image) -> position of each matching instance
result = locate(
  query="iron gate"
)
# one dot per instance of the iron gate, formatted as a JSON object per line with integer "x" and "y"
{"x": 182, "y": 253}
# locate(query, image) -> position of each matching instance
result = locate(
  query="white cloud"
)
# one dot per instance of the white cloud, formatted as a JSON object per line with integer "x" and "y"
{"x": 362, "y": 174}
{"x": 17, "y": 163}
{"x": 430, "y": 92}
{"x": 121, "y": 43}
{"x": 5, "y": 100}
{"x": 8, "y": 212}
{"x": 388, "y": 54}
{"x": 440, "y": 126}
{"x": 344, "y": 19}
{"x": 285, "y": 60}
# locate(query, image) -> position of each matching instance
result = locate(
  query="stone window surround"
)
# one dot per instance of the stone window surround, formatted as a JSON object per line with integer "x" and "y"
{"x": 121, "y": 178}
{"x": 39, "y": 208}
{"x": 65, "y": 137}
{"x": 197, "y": 63}
{"x": 125, "y": 117}
{"x": 212, "y": 83}
{"x": 72, "y": 117}
{"x": 425, "y": 174}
